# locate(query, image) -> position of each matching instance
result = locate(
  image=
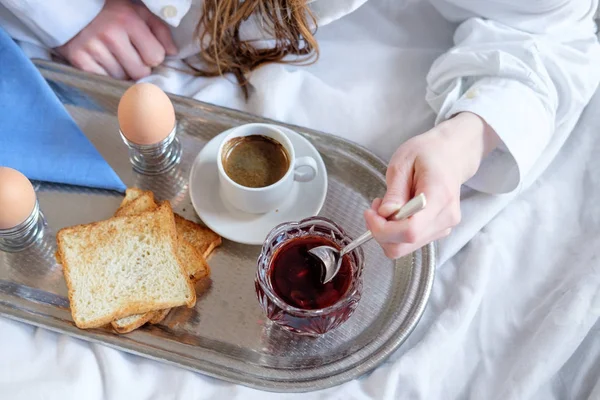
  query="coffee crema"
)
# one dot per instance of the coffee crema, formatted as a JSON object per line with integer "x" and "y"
{"x": 255, "y": 161}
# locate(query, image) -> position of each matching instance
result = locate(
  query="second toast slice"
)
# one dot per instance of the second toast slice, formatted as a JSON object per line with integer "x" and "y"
{"x": 123, "y": 266}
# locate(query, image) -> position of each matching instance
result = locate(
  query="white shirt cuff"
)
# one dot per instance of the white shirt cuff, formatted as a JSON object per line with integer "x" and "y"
{"x": 520, "y": 120}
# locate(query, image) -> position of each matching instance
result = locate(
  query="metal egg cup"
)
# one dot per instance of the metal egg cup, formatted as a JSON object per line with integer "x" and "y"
{"x": 157, "y": 158}
{"x": 25, "y": 234}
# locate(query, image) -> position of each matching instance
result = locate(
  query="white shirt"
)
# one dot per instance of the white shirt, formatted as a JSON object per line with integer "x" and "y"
{"x": 539, "y": 52}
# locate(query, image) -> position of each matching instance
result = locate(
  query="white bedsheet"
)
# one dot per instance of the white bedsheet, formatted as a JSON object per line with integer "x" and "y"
{"x": 513, "y": 315}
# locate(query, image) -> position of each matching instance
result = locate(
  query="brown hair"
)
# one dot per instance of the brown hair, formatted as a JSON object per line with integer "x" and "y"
{"x": 286, "y": 22}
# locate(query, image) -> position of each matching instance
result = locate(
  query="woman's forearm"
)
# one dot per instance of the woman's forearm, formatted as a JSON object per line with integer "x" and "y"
{"x": 469, "y": 136}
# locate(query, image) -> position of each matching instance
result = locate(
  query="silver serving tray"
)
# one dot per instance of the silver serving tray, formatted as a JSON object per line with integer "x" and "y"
{"x": 225, "y": 335}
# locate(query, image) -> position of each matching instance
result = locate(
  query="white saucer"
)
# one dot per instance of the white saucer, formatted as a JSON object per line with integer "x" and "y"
{"x": 305, "y": 200}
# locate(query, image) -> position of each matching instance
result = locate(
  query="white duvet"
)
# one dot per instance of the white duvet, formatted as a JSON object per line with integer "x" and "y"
{"x": 513, "y": 314}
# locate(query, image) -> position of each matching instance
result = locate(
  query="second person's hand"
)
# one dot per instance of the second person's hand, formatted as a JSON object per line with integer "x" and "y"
{"x": 124, "y": 41}
{"x": 435, "y": 163}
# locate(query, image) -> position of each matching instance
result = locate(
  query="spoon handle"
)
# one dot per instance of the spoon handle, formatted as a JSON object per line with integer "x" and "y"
{"x": 359, "y": 241}
{"x": 409, "y": 209}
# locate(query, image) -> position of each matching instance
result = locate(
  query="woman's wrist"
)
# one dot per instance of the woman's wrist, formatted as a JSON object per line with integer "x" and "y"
{"x": 470, "y": 139}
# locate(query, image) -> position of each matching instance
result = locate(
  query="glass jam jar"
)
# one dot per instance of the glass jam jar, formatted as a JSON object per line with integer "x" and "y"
{"x": 288, "y": 283}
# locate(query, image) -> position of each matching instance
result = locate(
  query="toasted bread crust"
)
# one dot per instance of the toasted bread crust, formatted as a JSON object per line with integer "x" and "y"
{"x": 158, "y": 316}
{"x": 130, "y": 195}
{"x": 192, "y": 232}
{"x": 145, "y": 202}
{"x": 140, "y": 320}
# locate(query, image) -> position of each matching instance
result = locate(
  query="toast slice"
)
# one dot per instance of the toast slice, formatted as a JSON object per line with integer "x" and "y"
{"x": 203, "y": 239}
{"x": 123, "y": 266}
{"x": 195, "y": 264}
{"x": 143, "y": 202}
{"x": 130, "y": 195}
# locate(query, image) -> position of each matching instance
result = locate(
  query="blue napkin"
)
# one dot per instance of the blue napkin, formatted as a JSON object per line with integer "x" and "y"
{"x": 37, "y": 135}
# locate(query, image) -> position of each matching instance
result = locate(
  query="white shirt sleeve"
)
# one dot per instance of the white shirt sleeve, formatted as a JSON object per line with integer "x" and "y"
{"x": 522, "y": 66}
{"x": 53, "y": 22}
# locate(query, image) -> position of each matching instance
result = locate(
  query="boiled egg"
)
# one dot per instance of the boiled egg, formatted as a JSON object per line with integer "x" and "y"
{"x": 146, "y": 114}
{"x": 17, "y": 198}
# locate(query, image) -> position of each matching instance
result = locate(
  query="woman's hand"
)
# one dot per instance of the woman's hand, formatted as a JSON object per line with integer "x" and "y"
{"x": 436, "y": 163}
{"x": 124, "y": 41}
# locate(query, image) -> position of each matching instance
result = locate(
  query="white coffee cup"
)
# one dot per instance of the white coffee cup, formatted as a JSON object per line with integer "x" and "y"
{"x": 264, "y": 199}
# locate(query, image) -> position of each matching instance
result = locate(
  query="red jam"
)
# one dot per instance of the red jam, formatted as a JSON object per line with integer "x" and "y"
{"x": 296, "y": 275}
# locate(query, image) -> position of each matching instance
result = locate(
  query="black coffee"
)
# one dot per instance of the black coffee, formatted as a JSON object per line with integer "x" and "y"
{"x": 255, "y": 161}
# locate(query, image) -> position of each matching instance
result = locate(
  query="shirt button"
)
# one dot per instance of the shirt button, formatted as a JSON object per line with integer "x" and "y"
{"x": 168, "y": 12}
{"x": 471, "y": 94}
